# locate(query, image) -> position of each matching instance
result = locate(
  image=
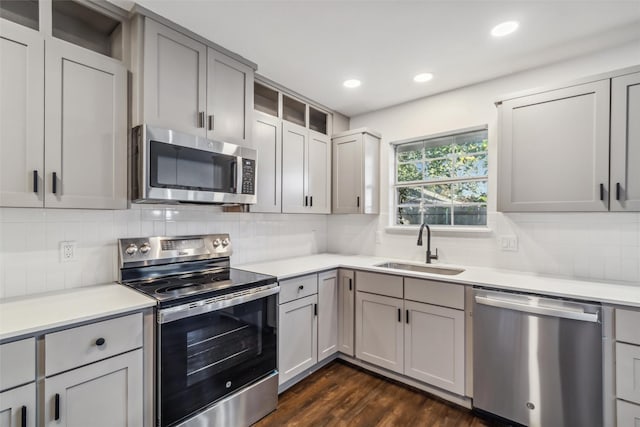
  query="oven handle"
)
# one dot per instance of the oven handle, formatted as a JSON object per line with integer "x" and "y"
{"x": 193, "y": 309}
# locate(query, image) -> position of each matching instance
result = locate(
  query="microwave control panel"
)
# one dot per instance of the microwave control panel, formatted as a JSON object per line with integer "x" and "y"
{"x": 248, "y": 176}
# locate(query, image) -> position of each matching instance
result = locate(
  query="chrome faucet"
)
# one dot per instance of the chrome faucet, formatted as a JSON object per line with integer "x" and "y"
{"x": 429, "y": 256}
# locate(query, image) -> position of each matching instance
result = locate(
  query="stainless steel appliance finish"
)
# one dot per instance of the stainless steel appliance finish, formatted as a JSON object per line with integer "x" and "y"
{"x": 240, "y": 409}
{"x": 216, "y": 329}
{"x": 170, "y": 166}
{"x": 537, "y": 361}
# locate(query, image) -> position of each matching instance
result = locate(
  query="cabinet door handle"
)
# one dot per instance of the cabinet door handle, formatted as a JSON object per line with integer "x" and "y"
{"x": 617, "y": 191}
{"x": 23, "y": 416}
{"x": 350, "y": 284}
{"x": 210, "y": 122}
{"x": 35, "y": 181}
{"x": 100, "y": 341}
{"x": 400, "y": 315}
{"x": 201, "y": 119}
{"x": 54, "y": 186}
{"x": 311, "y": 201}
{"x": 357, "y": 201}
{"x": 56, "y": 409}
{"x": 315, "y": 309}
{"x": 306, "y": 200}
{"x": 407, "y": 317}
{"x": 601, "y": 191}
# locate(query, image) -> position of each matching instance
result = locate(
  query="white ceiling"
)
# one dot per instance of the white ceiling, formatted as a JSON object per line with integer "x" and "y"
{"x": 311, "y": 46}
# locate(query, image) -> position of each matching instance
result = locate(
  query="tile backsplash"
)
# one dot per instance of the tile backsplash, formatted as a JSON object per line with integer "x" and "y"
{"x": 30, "y": 239}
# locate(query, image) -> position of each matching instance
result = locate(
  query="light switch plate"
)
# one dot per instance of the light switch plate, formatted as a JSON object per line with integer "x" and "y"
{"x": 508, "y": 243}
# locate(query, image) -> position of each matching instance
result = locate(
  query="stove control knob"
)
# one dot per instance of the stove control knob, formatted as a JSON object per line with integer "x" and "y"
{"x": 225, "y": 242}
{"x": 145, "y": 248}
{"x": 131, "y": 249}
{"x": 216, "y": 243}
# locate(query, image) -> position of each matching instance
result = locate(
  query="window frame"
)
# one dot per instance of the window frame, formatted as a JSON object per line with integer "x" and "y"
{"x": 436, "y": 181}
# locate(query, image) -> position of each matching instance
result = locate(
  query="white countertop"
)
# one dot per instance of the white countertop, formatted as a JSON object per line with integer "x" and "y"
{"x": 35, "y": 313}
{"x": 612, "y": 293}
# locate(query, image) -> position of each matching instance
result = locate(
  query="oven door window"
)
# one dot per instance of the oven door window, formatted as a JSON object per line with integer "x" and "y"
{"x": 174, "y": 166}
{"x": 206, "y": 357}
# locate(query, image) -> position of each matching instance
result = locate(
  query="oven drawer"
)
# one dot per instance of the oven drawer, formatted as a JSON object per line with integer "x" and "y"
{"x": 79, "y": 346}
{"x": 17, "y": 363}
{"x": 298, "y": 287}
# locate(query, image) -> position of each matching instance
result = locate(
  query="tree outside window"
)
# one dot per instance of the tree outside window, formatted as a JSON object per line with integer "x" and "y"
{"x": 443, "y": 180}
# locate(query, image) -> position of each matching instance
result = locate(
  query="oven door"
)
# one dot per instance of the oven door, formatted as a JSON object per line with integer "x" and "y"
{"x": 223, "y": 347}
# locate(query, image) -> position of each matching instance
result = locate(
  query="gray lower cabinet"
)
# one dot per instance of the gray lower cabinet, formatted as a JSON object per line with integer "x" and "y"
{"x": 346, "y": 311}
{"x": 434, "y": 345}
{"x": 414, "y": 327}
{"x": 380, "y": 330}
{"x": 328, "y": 295}
{"x": 627, "y": 367}
{"x": 541, "y": 136}
{"x": 297, "y": 337}
{"x": 103, "y": 394}
{"x": 17, "y": 383}
{"x": 18, "y": 406}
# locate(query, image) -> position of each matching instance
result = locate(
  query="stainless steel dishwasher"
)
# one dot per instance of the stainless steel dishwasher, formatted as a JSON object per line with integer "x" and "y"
{"x": 537, "y": 361}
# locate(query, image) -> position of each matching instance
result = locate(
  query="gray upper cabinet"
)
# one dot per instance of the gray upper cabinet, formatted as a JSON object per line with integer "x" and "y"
{"x": 229, "y": 99}
{"x": 554, "y": 150}
{"x": 356, "y": 163}
{"x": 64, "y": 110}
{"x": 175, "y": 80}
{"x": 190, "y": 87}
{"x": 86, "y": 140}
{"x": 22, "y": 110}
{"x": 625, "y": 143}
{"x": 318, "y": 182}
{"x": 267, "y": 140}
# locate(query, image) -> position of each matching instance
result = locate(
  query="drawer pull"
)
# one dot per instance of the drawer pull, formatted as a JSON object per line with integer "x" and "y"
{"x": 23, "y": 416}
{"x": 300, "y": 288}
{"x": 56, "y": 412}
{"x": 100, "y": 341}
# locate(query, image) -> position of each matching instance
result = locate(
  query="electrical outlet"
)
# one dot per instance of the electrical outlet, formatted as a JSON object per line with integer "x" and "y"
{"x": 509, "y": 243}
{"x": 67, "y": 251}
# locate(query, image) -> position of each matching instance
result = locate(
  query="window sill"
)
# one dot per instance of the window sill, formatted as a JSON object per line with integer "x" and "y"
{"x": 442, "y": 230}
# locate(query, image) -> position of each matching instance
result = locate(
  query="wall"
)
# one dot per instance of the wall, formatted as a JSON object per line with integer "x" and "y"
{"x": 30, "y": 239}
{"x": 583, "y": 245}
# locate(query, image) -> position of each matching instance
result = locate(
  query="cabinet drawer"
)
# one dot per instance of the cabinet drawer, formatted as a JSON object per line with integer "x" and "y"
{"x": 627, "y": 322}
{"x": 628, "y": 414}
{"x": 436, "y": 293}
{"x": 17, "y": 363}
{"x": 381, "y": 284}
{"x": 298, "y": 287}
{"x": 75, "y": 347}
{"x": 628, "y": 372}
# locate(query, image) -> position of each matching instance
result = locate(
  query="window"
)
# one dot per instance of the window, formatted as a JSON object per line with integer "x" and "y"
{"x": 442, "y": 180}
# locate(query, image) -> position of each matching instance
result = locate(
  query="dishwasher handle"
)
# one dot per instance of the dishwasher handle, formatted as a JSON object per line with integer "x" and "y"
{"x": 565, "y": 313}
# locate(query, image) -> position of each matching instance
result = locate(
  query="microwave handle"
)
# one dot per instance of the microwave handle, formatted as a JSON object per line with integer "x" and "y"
{"x": 234, "y": 176}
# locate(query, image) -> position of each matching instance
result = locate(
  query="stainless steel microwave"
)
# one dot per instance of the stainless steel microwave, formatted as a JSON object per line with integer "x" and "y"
{"x": 170, "y": 166}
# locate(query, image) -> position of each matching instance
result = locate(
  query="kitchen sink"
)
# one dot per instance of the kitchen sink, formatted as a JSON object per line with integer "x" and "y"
{"x": 448, "y": 271}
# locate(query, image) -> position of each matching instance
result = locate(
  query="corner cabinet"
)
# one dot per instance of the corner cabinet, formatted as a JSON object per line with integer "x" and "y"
{"x": 190, "y": 87}
{"x": 573, "y": 148}
{"x": 356, "y": 166}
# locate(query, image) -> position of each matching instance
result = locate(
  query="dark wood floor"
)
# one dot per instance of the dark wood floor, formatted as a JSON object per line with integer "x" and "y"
{"x": 342, "y": 395}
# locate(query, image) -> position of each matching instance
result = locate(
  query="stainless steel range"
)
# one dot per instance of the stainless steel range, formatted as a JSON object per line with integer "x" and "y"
{"x": 216, "y": 330}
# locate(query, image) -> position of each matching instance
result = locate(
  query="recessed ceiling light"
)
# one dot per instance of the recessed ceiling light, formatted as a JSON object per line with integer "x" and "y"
{"x": 351, "y": 83}
{"x": 504, "y": 29}
{"x": 423, "y": 77}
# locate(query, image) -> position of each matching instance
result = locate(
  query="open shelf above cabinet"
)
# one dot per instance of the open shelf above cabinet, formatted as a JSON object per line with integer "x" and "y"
{"x": 23, "y": 12}
{"x": 84, "y": 26}
{"x": 294, "y": 111}
{"x": 265, "y": 99}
